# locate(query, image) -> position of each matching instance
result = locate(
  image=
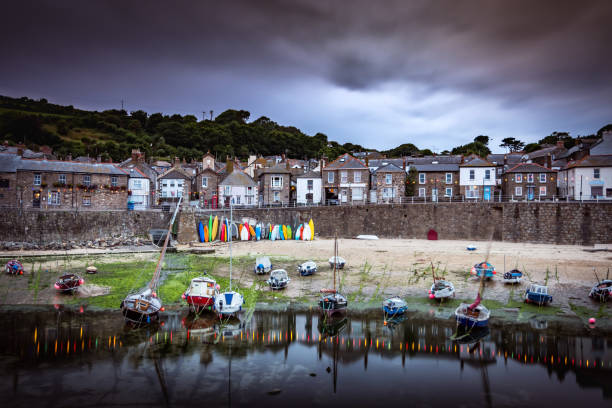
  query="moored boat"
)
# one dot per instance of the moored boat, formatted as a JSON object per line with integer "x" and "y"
{"x": 394, "y": 306}
{"x": 474, "y": 315}
{"x": 337, "y": 261}
{"x": 441, "y": 289}
{"x": 68, "y": 283}
{"x": 14, "y": 267}
{"x": 332, "y": 302}
{"x": 201, "y": 293}
{"x": 307, "y": 268}
{"x": 262, "y": 265}
{"x": 537, "y": 294}
{"x": 513, "y": 276}
{"x": 602, "y": 291}
{"x": 278, "y": 279}
{"x": 483, "y": 269}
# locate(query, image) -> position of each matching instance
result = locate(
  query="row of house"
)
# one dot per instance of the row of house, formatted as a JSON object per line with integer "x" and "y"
{"x": 31, "y": 180}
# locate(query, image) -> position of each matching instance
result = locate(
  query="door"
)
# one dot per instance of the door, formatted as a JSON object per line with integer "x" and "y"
{"x": 343, "y": 196}
{"x": 434, "y": 194}
{"x": 486, "y": 194}
{"x": 36, "y": 199}
{"x": 530, "y": 193}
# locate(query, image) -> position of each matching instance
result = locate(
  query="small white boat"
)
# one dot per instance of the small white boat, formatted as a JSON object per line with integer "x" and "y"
{"x": 602, "y": 291}
{"x": 367, "y": 237}
{"x": 262, "y": 265}
{"x": 228, "y": 303}
{"x": 201, "y": 293}
{"x": 338, "y": 261}
{"x": 471, "y": 248}
{"x": 278, "y": 279}
{"x": 307, "y": 268}
{"x": 441, "y": 289}
{"x": 513, "y": 276}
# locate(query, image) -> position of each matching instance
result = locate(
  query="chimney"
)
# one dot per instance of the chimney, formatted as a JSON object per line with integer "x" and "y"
{"x": 560, "y": 143}
{"x": 137, "y": 156}
{"x": 505, "y": 159}
{"x": 229, "y": 167}
{"x": 404, "y": 164}
{"x": 99, "y": 159}
{"x": 177, "y": 161}
{"x": 367, "y": 163}
{"x": 69, "y": 157}
{"x": 548, "y": 161}
{"x": 287, "y": 165}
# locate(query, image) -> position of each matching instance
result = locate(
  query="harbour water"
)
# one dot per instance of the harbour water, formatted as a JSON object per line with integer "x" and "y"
{"x": 72, "y": 357}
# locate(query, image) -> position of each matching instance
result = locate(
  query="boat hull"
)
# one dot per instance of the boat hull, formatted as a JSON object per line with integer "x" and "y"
{"x": 392, "y": 311}
{"x": 469, "y": 322}
{"x": 198, "y": 303}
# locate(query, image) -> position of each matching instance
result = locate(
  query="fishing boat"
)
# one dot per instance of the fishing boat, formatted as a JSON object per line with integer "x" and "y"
{"x": 441, "y": 289}
{"x": 483, "y": 269}
{"x": 307, "y": 268}
{"x": 229, "y": 303}
{"x": 14, "y": 267}
{"x": 475, "y": 314}
{"x": 513, "y": 276}
{"x": 337, "y": 261}
{"x": 537, "y": 294}
{"x": 143, "y": 306}
{"x": 68, "y": 283}
{"x": 262, "y": 265}
{"x": 332, "y": 302}
{"x": 602, "y": 291}
{"x": 201, "y": 293}
{"x": 278, "y": 279}
{"x": 394, "y": 306}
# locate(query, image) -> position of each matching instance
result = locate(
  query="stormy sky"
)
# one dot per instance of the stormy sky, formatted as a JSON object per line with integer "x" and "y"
{"x": 378, "y": 73}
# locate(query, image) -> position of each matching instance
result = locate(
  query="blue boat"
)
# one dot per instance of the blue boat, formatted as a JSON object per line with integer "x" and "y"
{"x": 537, "y": 294}
{"x": 483, "y": 268}
{"x": 394, "y": 306}
{"x": 472, "y": 316}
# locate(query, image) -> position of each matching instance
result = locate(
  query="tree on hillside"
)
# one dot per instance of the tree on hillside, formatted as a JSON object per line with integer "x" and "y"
{"x": 608, "y": 128}
{"x": 426, "y": 152}
{"x": 231, "y": 115}
{"x": 532, "y": 147}
{"x": 406, "y": 149}
{"x": 482, "y": 139}
{"x": 512, "y": 144}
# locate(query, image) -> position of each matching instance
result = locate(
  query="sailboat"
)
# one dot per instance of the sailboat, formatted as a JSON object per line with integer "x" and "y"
{"x": 229, "y": 303}
{"x": 332, "y": 302}
{"x": 476, "y": 314}
{"x": 144, "y": 306}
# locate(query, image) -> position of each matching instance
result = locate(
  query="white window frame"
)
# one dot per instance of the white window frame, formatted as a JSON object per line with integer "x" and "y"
{"x": 227, "y": 190}
{"x": 449, "y": 178}
{"x": 530, "y": 177}
{"x": 55, "y": 198}
{"x": 357, "y": 177}
{"x": 472, "y": 175}
{"x": 422, "y": 178}
{"x": 204, "y": 182}
{"x": 422, "y": 192}
{"x": 487, "y": 175}
{"x": 86, "y": 180}
{"x": 276, "y": 197}
{"x": 276, "y": 182}
{"x": 330, "y": 177}
{"x": 542, "y": 177}
{"x": 309, "y": 184}
{"x": 542, "y": 191}
{"x": 518, "y": 178}
{"x": 518, "y": 191}
{"x": 344, "y": 177}
{"x": 137, "y": 184}
{"x": 87, "y": 201}
{"x": 37, "y": 179}
{"x": 114, "y": 181}
{"x": 62, "y": 179}
{"x": 448, "y": 192}
{"x": 471, "y": 192}
{"x": 389, "y": 178}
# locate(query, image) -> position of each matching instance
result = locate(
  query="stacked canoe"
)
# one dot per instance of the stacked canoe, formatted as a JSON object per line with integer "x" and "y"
{"x": 221, "y": 229}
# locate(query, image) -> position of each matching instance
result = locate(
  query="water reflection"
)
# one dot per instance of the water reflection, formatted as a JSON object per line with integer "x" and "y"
{"x": 306, "y": 358}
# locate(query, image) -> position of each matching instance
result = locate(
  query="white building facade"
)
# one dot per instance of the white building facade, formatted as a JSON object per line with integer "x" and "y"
{"x": 587, "y": 179}
{"x": 139, "y": 192}
{"x": 477, "y": 179}
{"x": 309, "y": 188}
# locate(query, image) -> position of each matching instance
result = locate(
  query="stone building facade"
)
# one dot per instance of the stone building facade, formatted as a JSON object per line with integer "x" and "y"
{"x": 274, "y": 185}
{"x": 389, "y": 182}
{"x": 529, "y": 181}
{"x": 436, "y": 181}
{"x": 206, "y": 184}
{"x": 346, "y": 180}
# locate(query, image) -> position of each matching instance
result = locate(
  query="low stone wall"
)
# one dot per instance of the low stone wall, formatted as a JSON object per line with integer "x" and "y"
{"x": 557, "y": 223}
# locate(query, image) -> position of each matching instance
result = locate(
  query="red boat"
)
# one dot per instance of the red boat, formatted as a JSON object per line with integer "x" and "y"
{"x": 201, "y": 293}
{"x": 14, "y": 267}
{"x": 68, "y": 283}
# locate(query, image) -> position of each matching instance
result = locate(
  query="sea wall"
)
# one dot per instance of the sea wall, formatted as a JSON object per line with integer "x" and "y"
{"x": 557, "y": 223}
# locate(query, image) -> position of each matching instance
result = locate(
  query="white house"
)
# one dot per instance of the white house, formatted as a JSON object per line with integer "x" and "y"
{"x": 238, "y": 188}
{"x": 477, "y": 179}
{"x": 587, "y": 179}
{"x": 309, "y": 188}
{"x": 138, "y": 189}
{"x": 173, "y": 184}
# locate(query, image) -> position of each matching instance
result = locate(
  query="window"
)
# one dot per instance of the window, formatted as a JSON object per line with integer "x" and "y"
{"x": 448, "y": 192}
{"x": 472, "y": 175}
{"x": 499, "y": 170}
{"x": 4, "y": 183}
{"x": 388, "y": 178}
{"x": 87, "y": 201}
{"x": 179, "y": 184}
{"x": 205, "y": 182}
{"x": 249, "y": 200}
{"x": 518, "y": 178}
{"x": 249, "y": 190}
{"x": 86, "y": 180}
{"x": 449, "y": 178}
{"x": 172, "y": 183}
{"x": 518, "y": 191}
{"x": 277, "y": 196}
{"x": 608, "y": 192}
{"x": 344, "y": 177}
{"x": 238, "y": 200}
{"x": 596, "y": 191}
{"x": 542, "y": 191}
{"x": 37, "y": 179}
{"x": 357, "y": 177}
{"x": 310, "y": 184}
{"x": 62, "y": 179}
{"x": 595, "y": 173}
{"x": 487, "y": 175}
{"x": 357, "y": 194}
{"x": 277, "y": 181}
{"x": 114, "y": 182}
{"x": 137, "y": 184}
{"x": 54, "y": 198}
{"x": 164, "y": 194}
{"x": 330, "y": 177}
{"x": 471, "y": 192}
{"x": 164, "y": 184}
{"x": 421, "y": 192}
{"x": 542, "y": 177}
{"x": 228, "y": 190}
{"x": 421, "y": 178}
{"x": 530, "y": 178}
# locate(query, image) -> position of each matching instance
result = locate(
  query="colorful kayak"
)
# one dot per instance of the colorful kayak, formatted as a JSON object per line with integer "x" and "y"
{"x": 201, "y": 231}
{"x": 311, "y": 226}
{"x": 206, "y": 233}
{"x": 211, "y": 236}
{"x": 215, "y": 227}
{"x": 251, "y": 232}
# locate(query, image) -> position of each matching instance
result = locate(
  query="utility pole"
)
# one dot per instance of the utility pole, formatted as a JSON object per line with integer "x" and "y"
{"x": 122, "y": 104}
{"x": 211, "y": 113}
{"x": 203, "y": 115}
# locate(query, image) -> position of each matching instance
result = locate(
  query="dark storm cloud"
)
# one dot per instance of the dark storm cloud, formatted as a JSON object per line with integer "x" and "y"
{"x": 514, "y": 52}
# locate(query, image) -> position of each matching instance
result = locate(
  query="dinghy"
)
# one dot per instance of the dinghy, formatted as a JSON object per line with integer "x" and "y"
{"x": 441, "y": 289}
{"x": 476, "y": 314}
{"x": 68, "y": 283}
{"x": 602, "y": 291}
{"x": 14, "y": 267}
{"x": 537, "y": 294}
{"x": 332, "y": 302}
{"x": 201, "y": 293}
{"x": 337, "y": 261}
{"x": 307, "y": 268}
{"x": 483, "y": 269}
{"x": 513, "y": 276}
{"x": 262, "y": 265}
{"x": 229, "y": 303}
{"x": 394, "y": 306}
{"x": 278, "y": 279}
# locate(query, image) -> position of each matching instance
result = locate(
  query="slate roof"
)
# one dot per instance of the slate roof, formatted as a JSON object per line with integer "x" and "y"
{"x": 450, "y": 159}
{"x": 552, "y": 150}
{"x": 389, "y": 168}
{"x": 9, "y": 162}
{"x": 592, "y": 161}
{"x": 436, "y": 167}
{"x": 175, "y": 173}
{"x": 477, "y": 162}
{"x": 383, "y": 162}
{"x": 278, "y": 169}
{"x": 238, "y": 178}
{"x": 510, "y": 158}
{"x": 530, "y": 168}
{"x": 70, "y": 167}
{"x": 345, "y": 161}
{"x": 310, "y": 175}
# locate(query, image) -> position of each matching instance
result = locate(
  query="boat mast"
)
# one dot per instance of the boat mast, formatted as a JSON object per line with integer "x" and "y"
{"x": 230, "y": 241}
{"x": 153, "y": 282}
{"x": 335, "y": 258}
